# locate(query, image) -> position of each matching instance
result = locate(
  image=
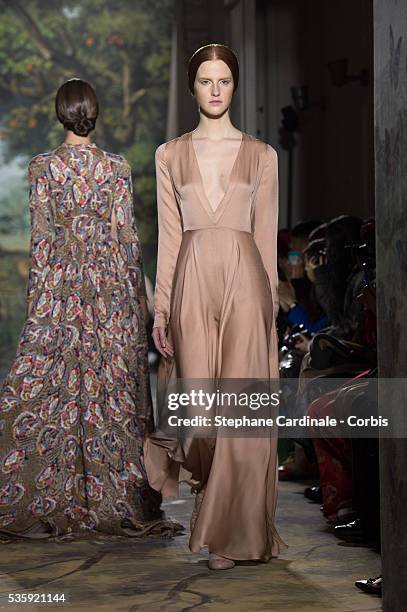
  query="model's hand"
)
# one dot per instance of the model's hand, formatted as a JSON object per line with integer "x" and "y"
{"x": 161, "y": 342}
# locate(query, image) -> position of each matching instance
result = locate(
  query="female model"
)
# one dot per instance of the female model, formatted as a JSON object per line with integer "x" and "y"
{"x": 76, "y": 403}
{"x": 216, "y": 302}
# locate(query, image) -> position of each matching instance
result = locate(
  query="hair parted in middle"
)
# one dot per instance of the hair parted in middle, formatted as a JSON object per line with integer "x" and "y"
{"x": 210, "y": 52}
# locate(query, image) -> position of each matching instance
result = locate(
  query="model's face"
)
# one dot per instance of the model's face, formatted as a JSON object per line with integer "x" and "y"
{"x": 214, "y": 87}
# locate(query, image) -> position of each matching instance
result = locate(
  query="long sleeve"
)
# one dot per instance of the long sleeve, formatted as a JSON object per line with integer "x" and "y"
{"x": 266, "y": 221}
{"x": 124, "y": 226}
{"x": 42, "y": 227}
{"x": 169, "y": 239}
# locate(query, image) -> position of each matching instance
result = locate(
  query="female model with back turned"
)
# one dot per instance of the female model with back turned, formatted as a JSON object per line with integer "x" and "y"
{"x": 76, "y": 403}
{"x": 216, "y": 302}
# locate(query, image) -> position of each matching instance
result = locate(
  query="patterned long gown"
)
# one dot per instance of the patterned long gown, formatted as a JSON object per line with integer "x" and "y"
{"x": 76, "y": 404}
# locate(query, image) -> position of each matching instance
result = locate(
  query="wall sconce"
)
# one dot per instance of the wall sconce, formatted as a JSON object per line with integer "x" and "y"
{"x": 300, "y": 96}
{"x": 339, "y": 73}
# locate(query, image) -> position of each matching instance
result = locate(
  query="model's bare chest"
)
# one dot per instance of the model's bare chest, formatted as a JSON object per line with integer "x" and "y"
{"x": 216, "y": 162}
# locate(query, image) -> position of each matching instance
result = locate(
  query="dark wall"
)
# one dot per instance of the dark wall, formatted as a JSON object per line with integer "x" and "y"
{"x": 333, "y": 159}
{"x": 390, "y": 27}
{"x": 341, "y": 138}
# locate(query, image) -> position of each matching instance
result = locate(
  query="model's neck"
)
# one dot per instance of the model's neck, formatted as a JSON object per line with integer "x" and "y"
{"x": 72, "y": 138}
{"x": 215, "y": 128}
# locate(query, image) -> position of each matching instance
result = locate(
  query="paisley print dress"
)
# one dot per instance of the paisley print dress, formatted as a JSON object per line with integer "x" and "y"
{"x": 76, "y": 404}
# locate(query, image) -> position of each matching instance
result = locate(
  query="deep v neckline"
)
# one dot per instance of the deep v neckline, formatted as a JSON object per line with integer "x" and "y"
{"x": 215, "y": 213}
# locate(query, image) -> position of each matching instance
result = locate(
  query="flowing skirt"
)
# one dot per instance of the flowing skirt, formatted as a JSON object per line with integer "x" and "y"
{"x": 221, "y": 327}
{"x": 75, "y": 408}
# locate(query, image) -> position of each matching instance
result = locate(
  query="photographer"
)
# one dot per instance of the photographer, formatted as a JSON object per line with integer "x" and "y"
{"x": 336, "y": 275}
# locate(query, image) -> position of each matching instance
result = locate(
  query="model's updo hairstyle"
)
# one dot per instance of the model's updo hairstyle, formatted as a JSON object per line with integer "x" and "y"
{"x": 212, "y": 52}
{"x": 76, "y": 106}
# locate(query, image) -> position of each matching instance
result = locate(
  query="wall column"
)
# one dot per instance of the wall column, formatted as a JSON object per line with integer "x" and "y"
{"x": 390, "y": 100}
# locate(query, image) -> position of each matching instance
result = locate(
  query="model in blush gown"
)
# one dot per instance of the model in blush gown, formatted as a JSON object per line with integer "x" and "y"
{"x": 216, "y": 293}
{"x": 75, "y": 405}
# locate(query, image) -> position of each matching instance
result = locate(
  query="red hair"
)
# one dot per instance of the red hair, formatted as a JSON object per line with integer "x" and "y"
{"x": 210, "y": 52}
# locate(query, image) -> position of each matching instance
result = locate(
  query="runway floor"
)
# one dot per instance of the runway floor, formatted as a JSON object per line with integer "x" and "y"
{"x": 316, "y": 573}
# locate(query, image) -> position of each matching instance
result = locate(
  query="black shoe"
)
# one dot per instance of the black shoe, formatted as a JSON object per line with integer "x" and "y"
{"x": 314, "y": 494}
{"x": 350, "y": 531}
{"x": 371, "y": 585}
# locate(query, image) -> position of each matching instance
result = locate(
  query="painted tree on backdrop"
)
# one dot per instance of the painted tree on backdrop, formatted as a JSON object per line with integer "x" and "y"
{"x": 122, "y": 47}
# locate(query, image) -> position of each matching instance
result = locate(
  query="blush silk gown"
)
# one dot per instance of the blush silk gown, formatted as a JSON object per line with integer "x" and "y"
{"x": 216, "y": 292}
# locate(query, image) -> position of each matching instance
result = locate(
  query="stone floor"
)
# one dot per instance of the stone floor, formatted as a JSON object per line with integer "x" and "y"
{"x": 315, "y": 574}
